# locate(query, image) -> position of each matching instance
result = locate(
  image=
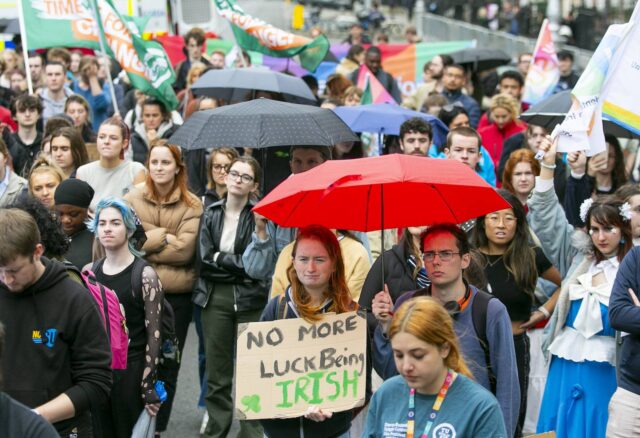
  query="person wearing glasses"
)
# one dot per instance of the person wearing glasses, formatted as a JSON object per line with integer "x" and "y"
{"x": 225, "y": 292}
{"x": 435, "y": 394}
{"x": 218, "y": 165}
{"x": 447, "y": 254}
{"x": 512, "y": 267}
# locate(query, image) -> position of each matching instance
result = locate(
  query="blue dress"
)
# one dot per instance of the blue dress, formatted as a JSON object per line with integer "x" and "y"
{"x": 577, "y": 394}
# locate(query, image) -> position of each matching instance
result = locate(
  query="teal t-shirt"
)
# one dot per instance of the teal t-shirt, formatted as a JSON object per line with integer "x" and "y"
{"x": 468, "y": 410}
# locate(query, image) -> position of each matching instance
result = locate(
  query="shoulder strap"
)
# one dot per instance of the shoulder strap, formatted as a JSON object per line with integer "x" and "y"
{"x": 136, "y": 274}
{"x": 282, "y": 307}
{"x": 479, "y": 317}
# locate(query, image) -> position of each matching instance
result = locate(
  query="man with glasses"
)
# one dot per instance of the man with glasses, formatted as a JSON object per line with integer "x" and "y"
{"x": 478, "y": 319}
{"x": 454, "y": 80}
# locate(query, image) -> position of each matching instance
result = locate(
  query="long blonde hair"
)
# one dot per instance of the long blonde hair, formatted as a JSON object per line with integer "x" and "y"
{"x": 427, "y": 320}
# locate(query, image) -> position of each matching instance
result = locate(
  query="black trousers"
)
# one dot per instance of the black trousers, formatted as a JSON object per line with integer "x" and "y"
{"x": 523, "y": 358}
{"x": 183, "y": 311}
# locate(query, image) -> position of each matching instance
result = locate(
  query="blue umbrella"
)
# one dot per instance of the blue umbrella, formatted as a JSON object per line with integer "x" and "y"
{"x": 385, "y": 118}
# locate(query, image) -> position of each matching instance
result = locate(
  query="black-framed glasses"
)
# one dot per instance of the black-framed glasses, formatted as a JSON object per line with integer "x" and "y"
{"x": 220, "y": 168}
{"x": 243, "y": 176}
{"x": 444, "y": 256}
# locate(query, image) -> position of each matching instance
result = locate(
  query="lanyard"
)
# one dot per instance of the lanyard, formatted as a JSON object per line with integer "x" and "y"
{"x": 434, "y": 409}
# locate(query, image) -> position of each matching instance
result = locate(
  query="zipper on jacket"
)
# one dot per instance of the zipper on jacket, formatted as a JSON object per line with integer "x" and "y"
{"x": 235, "y": 299}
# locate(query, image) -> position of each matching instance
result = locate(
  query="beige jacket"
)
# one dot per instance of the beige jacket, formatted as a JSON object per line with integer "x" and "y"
{"x": 173, "y": 262}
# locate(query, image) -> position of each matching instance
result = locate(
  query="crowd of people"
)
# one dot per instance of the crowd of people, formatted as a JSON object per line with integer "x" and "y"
{"x": 501, "y": 326}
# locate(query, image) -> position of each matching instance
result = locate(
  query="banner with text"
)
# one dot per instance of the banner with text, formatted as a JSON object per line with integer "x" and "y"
{"x": 285, "y": 366}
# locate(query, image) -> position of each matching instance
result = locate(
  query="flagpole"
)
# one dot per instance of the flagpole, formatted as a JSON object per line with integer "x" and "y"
{"x": 25, "y": 52}
{"x": 96, "y": 17}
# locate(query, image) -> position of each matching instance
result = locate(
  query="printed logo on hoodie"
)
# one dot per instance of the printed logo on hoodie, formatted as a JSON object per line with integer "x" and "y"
{"x": 49, "y": 334}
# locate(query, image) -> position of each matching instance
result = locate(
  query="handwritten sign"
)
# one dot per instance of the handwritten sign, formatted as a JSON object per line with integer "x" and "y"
{"x": 285, "y": 366}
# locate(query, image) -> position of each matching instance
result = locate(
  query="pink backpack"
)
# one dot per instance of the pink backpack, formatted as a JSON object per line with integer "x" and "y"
{"x": 114, "y": 319}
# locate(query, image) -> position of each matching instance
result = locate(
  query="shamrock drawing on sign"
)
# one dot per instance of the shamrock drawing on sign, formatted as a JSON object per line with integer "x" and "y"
{"x": 252, "y": 403}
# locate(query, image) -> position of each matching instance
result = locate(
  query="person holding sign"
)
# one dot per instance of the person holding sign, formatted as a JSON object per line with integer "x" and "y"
{"x": 434, "y": 395}
{"x": 317, "y": 285}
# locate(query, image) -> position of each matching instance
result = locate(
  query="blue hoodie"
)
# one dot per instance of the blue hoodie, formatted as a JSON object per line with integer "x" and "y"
{"x": 624, "y": 315}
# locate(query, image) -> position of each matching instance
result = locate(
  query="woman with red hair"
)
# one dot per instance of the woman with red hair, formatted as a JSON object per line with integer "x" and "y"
{"x": 520, "y": 173}
{"x": 317, "y": 285}
{"x": 170, "y": 215}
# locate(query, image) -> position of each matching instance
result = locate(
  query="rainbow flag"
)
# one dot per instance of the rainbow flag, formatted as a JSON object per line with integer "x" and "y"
{"x": 605, "y": 89}
{"x": 255, "y": 34}
{"x": 544, "y": 73}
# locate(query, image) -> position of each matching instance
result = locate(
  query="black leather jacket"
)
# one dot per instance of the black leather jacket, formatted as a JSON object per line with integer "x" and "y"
{"x": 249, "y": 294}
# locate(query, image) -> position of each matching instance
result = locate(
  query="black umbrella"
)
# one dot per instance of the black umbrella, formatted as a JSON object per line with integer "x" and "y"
{"x": 480, "y": 59}
{"x": 552, "y": 111}
{"x": 262, "y": 123}
{"x": 240, "y": 84}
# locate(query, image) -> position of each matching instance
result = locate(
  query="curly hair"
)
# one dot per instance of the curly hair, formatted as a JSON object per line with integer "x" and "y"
{"x": 507, "y": 102}
{"x": 55, "y": 242}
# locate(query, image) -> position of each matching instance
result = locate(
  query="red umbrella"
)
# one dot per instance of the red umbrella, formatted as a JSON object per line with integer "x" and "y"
{"x": 392, "y": 191}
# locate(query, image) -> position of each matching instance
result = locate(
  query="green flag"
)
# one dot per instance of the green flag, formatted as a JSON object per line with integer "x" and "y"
{"x": 254, "y": 34}
{"x": 72, "y": 24}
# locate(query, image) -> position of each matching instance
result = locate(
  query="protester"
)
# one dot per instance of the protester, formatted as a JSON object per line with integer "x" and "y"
{"x": 18, "y": 420}
{"x": 336, "y": 86}
{"x": 524, "y": 62}
{"x": 373, "y": 61}
{"x": 352, "y": 96}
{"x": 464, "y": 145}
{"x": 512, "y": 83}
{"x": 55, "y": 92}
{"x": 356, "y": 265}
{"x": 95, "y": 92}
{"x": 10, "y": 58}
{"x": 318, "y": 284}
{"x": 504, "y": 113}
{"x": 624, "y": 314}
{"x": 68, "y": 150}
{"x": 520, "y": 174}
{"x": 64, "y": 370}
{"x": 512, "y": 268}
{"x": 193, "y": 42}
{"x": 357, "y": 36}
{"x": 74, "y": 66}
{"x": 44, "y": 178}
{"x": 18, "y": 80}
{"x": 142, "y": 298}
{"x": 36, "y": 69}
{"x": 582, "y": 376}
{"x": 72, "y": 199}
{"x": 433, "y": 104}
{"x": 403, "y": 271}
{"x": 170, "y": 215}
{"x": 568, "y": 77}
{"x": 435, "y": 71}
{"x": 218, "y": 166}
{"x": 111, "y": 175}
{"x": 188, "y": 103}
{"x": 217, "y": 59}
{"x": 25, "y": 143}
{"x": 600, "y": 174}
{"x": 226, "y": 293}
{"x": 492, "y": 361}
{"x": 351, "y": 62}
{"x": 453, "y": 81}
{"x": 12, "y": 186}
{"x": 156, "y": 123}
{"x": 415, "y": 137}
{"x": 78, "y": 109}
{"x": 430, "y": 362}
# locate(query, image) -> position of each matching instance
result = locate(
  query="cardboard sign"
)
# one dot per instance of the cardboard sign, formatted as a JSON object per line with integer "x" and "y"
{"x": 285, "y": 366}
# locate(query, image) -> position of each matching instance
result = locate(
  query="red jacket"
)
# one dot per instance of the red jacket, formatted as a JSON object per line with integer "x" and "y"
{"x": 493, "y": 137}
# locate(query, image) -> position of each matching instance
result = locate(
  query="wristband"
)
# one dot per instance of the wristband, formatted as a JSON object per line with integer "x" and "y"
{"x": 548, "y": 166}
{"x": 544, "y": 311}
